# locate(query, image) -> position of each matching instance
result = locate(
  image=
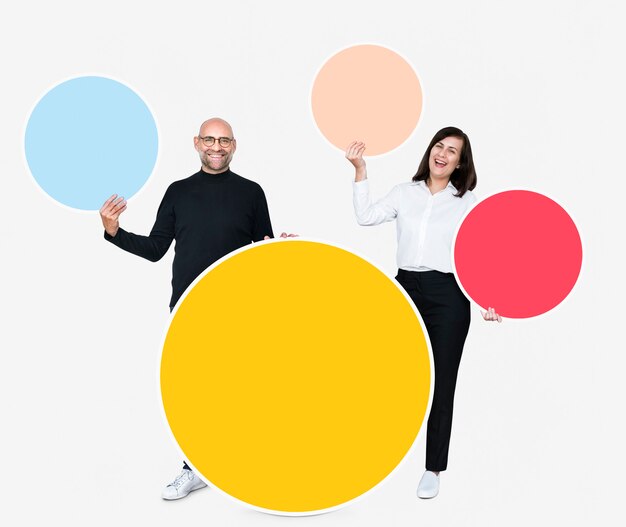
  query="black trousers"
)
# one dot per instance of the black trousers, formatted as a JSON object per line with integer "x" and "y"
{"x": 185, "y": 465}
{"x": 446, "y": 313}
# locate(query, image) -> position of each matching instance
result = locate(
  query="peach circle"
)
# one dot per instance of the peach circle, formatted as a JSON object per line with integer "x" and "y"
{"x": 367, "y": 93}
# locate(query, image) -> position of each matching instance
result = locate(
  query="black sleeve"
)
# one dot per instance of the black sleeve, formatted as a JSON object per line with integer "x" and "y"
{"x": 155, "y": 246}
{"x": 262, "y": 224}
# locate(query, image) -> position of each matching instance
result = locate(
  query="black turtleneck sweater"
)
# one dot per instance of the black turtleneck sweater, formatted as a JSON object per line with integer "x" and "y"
{"x": 209, "y": 215}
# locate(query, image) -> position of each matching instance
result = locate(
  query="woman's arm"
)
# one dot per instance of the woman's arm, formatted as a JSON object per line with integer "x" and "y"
{"x": 354, "y": 154}
{"x": 368, "y": 213}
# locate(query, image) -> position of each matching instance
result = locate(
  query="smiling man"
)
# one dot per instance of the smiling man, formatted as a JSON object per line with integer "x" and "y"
{"x": 209, "y": 214}
{"x": 216, "y": 145}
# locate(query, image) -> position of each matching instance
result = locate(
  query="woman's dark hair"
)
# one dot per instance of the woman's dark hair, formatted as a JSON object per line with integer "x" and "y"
{"x": 464, "y": 177}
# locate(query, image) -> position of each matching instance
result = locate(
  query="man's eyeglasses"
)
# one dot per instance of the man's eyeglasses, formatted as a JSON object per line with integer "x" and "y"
{"x": 224, "y": 142}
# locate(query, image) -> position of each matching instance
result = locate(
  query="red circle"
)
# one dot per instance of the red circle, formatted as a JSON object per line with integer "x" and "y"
{"x": 519, "y": 252}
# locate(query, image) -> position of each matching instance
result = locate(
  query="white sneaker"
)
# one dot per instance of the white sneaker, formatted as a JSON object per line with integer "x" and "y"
{"x": 429, "y": 485}
{"x": 184, "y": 483}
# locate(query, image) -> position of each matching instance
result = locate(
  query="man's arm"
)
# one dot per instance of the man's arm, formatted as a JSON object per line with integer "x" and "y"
{"x": 262, "y": 224}
{"x": 151, "y": 247}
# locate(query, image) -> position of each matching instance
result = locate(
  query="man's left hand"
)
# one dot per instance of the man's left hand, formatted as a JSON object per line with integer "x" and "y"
{"x": 283, "y": 235}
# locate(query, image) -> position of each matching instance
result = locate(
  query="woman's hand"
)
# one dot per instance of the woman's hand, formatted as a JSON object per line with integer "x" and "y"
{"x": 354, "y": 154}
{"x": 491, "y": 315}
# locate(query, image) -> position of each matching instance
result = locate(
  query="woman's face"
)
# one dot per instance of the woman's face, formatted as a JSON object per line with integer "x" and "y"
{"x": 445, "y": 157}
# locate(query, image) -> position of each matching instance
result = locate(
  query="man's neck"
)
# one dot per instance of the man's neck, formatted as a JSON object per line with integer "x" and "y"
{"x": 214, "y": 172}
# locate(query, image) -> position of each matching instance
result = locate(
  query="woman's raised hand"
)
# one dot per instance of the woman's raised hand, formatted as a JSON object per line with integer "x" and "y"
{"x": 354, "y": 154}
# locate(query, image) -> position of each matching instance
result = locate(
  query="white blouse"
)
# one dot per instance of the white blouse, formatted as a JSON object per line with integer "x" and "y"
{"x": 426, "y": 223}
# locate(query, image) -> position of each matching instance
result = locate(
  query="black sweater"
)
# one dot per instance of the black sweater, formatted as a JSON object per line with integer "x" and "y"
{"x": 209, "y": 215}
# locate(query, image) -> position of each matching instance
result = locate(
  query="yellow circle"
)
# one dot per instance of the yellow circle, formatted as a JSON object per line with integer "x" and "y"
{"x": 295, "y": 376}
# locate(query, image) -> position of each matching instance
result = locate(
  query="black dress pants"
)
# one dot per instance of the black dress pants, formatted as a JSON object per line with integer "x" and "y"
{"x": 185, "y": 465}
{"x": 446, "y": 314}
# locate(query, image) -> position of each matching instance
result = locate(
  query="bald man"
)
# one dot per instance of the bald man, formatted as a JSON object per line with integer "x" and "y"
{"x": 209, "y": 214}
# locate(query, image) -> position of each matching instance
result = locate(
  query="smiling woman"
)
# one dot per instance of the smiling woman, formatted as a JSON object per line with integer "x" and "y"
{"x": 428, "y": 209}
{"x": 448, "y": 158}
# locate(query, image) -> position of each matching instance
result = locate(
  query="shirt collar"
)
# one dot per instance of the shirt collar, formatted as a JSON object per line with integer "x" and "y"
{"x": 449, "y": 186}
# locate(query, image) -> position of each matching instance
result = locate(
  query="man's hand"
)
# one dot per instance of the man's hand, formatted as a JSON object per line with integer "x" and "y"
{"x": 283, "y": 235}
{"x": 110, "y": 212}
{"x": 491, "y": 315}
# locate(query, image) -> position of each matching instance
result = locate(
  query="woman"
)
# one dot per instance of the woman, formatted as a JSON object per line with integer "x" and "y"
{"x": 428, "y": 209}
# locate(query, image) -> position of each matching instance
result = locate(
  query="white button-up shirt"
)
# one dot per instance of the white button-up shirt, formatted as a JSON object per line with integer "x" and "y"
{"x": 425, "y": 222}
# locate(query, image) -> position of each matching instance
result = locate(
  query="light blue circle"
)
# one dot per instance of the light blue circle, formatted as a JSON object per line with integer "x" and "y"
{"x": 89, "y": 138}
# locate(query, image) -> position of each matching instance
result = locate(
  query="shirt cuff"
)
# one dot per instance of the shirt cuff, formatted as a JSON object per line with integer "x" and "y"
{"x": 361, "y": 187}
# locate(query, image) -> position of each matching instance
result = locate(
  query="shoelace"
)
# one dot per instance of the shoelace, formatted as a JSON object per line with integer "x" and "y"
{"x": 179, "y": 479}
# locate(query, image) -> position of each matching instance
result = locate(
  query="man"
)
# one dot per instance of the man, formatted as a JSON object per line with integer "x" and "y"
{"x": 209, "y": 214}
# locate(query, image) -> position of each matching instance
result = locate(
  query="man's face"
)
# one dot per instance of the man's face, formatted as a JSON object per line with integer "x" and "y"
{"x": 215, "y": 158}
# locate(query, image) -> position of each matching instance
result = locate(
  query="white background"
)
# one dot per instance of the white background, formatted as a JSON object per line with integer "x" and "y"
{"x": 539, "y": 87}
